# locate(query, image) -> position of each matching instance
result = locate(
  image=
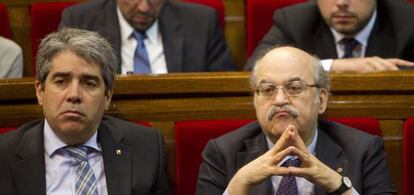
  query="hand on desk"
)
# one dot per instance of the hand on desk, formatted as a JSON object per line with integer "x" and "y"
{"x": 369, "y": 64}
{"x": 265, "y": 166}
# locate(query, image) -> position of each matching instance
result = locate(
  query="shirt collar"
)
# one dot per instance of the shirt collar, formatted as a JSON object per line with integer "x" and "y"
{"x": 54, "y": 143}
{"x": 311, "y": 146}
{"x": 361, "y": 36}
{"x": 126, "y": 29}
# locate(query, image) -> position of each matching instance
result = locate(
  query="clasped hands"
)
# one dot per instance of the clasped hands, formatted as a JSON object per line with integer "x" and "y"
{"x": 266, "y": 165}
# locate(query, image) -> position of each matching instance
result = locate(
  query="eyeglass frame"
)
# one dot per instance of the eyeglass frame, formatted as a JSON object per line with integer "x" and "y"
{"x": 150, "y": 2}
{"x": 259, "y": 92}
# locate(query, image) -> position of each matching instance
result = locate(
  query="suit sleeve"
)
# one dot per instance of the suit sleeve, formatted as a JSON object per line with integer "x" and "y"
{"x": 219, "y": 56}
{"x": 212, "y": 178}
{"x": 161, "y": 187}
{"x": 277, "y": 35}
{"x": 375, "y": 172}
{"x": 65, "y": 19}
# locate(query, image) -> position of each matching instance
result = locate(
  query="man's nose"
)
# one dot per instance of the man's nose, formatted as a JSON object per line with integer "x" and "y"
{"x": 143, "y": 6}
{"x": 342, "y": 3}
{"x": 280, "y": 98}
{"x": 74, "y": 93}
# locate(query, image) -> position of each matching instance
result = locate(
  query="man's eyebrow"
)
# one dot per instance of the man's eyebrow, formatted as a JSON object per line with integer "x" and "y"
{"x": 293, "y": 79}
{"x": 264, "y": 81}
{"x": 90, "y": 77}
{"x": 60, "y": 74}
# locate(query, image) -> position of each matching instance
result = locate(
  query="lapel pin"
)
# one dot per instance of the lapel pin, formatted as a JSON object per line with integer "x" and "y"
{"x": 339, "y": 170}
{"x": 118, "y": 152}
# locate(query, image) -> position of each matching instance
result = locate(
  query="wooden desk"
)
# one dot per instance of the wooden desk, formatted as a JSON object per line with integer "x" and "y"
{"x": 163, "y": 99}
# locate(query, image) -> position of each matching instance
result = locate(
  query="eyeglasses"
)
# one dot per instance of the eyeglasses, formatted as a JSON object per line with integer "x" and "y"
{"x": 294, "y": 88}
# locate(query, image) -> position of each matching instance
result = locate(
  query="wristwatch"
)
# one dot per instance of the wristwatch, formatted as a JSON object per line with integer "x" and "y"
{"x": 345, "y": 185}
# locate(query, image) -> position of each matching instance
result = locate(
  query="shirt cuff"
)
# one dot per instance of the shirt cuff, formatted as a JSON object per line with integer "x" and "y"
{"x": 327, "y": 64}
{"x": 354, "y": 192}
{"x": 227, "y": 193}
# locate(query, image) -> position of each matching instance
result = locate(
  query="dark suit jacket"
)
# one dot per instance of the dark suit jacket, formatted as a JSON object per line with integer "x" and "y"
{"x": 139, "y": 170}
{"x": 302, "y": 26}
{"x": 191, "y": 34}
{"x": 359, "y": 154}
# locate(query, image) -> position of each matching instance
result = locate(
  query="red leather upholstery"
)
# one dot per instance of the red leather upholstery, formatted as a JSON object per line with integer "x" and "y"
{"x": 6, "y": 129}
{"x": 4, "y": 22}
{"x": 259, "y": 19}
{"x": 44, "y": 19}
{"x": 190, "y": 139}
{"x": 408, "y": 156}
{"x": 369, "y": 125}
{"x": 217, "y": 5}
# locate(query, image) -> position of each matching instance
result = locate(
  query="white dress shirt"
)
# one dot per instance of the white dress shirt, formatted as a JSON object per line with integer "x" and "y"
{"x": 61, "y": 167}
{"x": 153, "y": 45}
{"x": 361, "y": 37}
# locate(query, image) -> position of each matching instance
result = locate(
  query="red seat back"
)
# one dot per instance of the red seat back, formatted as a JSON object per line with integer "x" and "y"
{"x": 4, "y": 22}
{"x": 217, "y": 5}
{"x": 6, "y": 129}
{"x": 259, "y": 19}
{"x": 44, "y": 19}
{"x": 190, "y": 140}
{"x": 408, "y": 156}
{"x": 369, "y": 125}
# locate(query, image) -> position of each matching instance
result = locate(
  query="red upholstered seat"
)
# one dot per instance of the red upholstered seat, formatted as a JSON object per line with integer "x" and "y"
{"x": 408, "y": 156}
{"x": 190, "y": 140}
{"x": 216, "y": 4}
{"x": 4, "y": 22}
{"x": 369, "y": 125}
{"x": 44, "y": 19}
{"x": 6, "y": 129}
{"x": 259, "y": 19}
{"x": 143, "y": 123}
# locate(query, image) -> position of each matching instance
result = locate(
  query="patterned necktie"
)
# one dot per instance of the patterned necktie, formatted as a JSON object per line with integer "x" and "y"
{"x": 85, "y": 179}
{"x": 141, "y": 62}
{"x": 288, "y": 184}
{"x": 350, "y": 44}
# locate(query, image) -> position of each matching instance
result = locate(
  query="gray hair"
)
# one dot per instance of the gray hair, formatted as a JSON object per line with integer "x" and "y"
{"x": 321, "y": 76}
{"x": 88, "y": 45}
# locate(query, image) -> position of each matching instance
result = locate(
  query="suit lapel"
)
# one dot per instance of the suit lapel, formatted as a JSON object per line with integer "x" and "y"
{"x": 329, "y": 153}
{"x": 380, "y": 41}
{"x": 172, "y": 38}
{"x": 110, "y": 28}
{"x": 29, "y": 172}
{"x": 254, "y": 148}
{"x": 117, "y": 161}
{"x": 324, "y": 42}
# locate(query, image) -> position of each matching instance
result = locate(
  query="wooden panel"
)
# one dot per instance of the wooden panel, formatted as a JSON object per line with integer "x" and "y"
{"x": 163, "y": 99}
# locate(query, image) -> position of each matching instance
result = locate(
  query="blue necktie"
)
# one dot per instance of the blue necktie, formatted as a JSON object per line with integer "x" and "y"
{"x": 288, "y": 184}
{"x": 85, "y": 179}
{"x": 350, "y": 44}
{"x": 141, "y": 62}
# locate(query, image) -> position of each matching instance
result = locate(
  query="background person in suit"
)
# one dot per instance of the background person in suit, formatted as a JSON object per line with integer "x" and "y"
{"x": 181, "y": 37}
{"x": 354, "y": 35}
{"x": 11, "y": 59}
{"x": 290, "y": 91}
{"x": 75, "y": 144}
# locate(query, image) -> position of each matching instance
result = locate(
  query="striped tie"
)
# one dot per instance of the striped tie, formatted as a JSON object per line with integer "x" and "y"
{"x": 85, "y": 179}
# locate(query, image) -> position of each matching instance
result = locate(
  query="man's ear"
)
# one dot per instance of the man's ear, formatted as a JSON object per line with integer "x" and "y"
{"x": 323, "y": 100}
{"x": 39, "y": 92}
{"x": 108, "y": 97}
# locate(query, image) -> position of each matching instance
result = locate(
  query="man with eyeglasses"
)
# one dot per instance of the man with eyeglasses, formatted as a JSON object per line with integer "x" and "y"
{"x": 156, "y": 36}
{"x": 289, "y": 150}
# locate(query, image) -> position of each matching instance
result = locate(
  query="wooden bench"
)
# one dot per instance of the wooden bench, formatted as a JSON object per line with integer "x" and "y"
{"x": 164, "y": 99}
